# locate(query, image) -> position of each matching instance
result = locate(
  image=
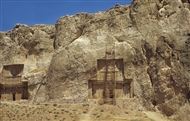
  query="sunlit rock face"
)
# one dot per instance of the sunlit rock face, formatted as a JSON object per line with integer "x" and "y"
{"x": 151, "y": 36}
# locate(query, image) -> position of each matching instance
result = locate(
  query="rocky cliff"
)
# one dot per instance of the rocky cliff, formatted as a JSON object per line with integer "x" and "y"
{"x": 152, "y": 37}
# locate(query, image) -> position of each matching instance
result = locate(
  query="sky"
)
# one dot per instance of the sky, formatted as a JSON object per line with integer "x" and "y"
{"x": 33, "y": 12}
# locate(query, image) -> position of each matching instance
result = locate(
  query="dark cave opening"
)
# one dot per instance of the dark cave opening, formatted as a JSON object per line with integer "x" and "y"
{"x": 188, "y": 96}
{"x": 154, "y": 102}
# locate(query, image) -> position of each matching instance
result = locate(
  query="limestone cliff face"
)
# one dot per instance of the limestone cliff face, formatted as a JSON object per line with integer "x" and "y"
{"x": 164, "y": 26}
{"x": 152, "y": 37}
{"x": 31, "y": 46}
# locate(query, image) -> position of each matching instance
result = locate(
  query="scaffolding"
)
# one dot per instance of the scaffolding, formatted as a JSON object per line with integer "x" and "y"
{"x": 109, "y": 78}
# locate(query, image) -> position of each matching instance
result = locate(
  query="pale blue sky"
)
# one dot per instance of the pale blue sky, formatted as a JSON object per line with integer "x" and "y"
{"x": 33, "y": 12}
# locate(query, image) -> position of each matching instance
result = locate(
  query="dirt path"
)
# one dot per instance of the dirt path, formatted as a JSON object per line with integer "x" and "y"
{"x": 155, "y": 116}
{"x": 88, "y": 114}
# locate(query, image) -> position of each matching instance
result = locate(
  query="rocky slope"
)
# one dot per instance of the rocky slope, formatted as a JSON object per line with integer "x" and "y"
{"x": 152, "y": 37}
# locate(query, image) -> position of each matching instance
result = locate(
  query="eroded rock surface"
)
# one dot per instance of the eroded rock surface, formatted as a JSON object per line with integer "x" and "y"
{"x": 152, "y": 37}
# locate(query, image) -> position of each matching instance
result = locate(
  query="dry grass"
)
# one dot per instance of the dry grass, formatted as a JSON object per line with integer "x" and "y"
{"x": 68, "y": 112}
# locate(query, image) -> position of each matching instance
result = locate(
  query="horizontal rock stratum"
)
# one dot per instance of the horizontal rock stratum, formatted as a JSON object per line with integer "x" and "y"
{"x": 151, "y": 36}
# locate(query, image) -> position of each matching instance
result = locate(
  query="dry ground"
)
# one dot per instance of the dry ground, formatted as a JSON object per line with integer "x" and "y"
{"x": 18, "y": 111}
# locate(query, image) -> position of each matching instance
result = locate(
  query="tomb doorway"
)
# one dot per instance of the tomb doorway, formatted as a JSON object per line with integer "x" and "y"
{"x": 14, "y": 97}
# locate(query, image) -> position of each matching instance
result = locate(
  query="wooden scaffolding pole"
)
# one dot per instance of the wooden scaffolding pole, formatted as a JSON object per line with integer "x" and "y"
{"x": 110, "y": 82}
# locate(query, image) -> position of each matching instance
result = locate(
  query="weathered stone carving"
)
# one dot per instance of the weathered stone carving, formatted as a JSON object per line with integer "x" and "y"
{"x": 11, "y": 86}
{"x": 97, "y": 86}
{"x": 150, "y": 36}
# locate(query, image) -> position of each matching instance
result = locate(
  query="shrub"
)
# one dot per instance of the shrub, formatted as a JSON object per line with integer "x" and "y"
{"x": 94, "y": 114}
{"x": 54, "y": 105}
{"x": 46, "y": 104}
{"x": 85, "y": 105}
{"x": 84, "y": 111}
